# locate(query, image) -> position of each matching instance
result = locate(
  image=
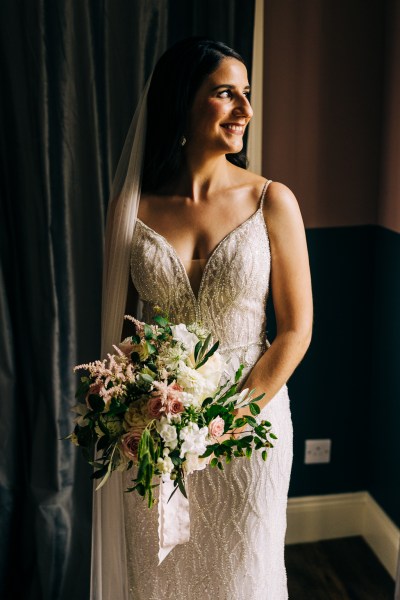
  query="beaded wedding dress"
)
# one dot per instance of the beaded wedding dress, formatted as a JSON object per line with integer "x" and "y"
{"x": 238, "y": 516}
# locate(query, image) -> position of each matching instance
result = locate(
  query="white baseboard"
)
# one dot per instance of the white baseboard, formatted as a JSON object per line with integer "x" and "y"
{"x": 314, "y": 518}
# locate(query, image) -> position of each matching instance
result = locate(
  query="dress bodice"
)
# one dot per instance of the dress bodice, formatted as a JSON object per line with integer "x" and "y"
{"x": 233, "y": 290}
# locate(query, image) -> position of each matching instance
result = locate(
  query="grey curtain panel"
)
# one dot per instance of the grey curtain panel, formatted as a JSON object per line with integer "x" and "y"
{"x": 70, "y": 76}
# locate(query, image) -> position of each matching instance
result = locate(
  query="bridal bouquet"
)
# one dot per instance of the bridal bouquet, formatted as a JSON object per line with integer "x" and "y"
{"x": 161, "y": 404}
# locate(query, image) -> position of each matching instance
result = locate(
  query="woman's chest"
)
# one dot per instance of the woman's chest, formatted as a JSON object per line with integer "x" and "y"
{"x": 237, "y": 271}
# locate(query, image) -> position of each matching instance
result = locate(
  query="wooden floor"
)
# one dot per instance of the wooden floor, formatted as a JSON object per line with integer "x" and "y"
{"x": 342, "y": 569}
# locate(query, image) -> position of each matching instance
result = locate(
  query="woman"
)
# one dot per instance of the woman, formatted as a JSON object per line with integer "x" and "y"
{"x": 210, "y": 240}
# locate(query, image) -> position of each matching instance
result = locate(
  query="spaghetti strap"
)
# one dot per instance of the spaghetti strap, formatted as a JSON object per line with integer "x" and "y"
{"x": 264, "y": 191}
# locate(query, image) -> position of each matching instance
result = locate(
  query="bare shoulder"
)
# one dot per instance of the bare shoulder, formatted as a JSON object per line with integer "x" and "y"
{"x": 249, "y": 182}
{"x": 281, "y": 208}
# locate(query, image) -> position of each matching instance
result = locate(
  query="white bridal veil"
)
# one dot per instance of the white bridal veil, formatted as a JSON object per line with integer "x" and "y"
{"x": 108, "y": 570}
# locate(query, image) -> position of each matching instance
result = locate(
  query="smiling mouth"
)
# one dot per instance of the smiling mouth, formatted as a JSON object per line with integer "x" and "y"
{"x": 234, "y": 128}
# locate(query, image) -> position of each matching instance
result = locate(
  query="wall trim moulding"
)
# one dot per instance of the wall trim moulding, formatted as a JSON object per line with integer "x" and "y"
{"x": 314, "y": 518}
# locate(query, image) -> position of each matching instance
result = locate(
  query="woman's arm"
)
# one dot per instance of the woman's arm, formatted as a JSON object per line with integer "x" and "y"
{"x": 291, "y": 293}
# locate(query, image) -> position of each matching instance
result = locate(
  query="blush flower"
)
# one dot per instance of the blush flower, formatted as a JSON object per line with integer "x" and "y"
{"x": 174, "y": 406}
{"x": 130, "y": 443}
{"x": 155, "y": 407}
{"x": 216, "y": 427}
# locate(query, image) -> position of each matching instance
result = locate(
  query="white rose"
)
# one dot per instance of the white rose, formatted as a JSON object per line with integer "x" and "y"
{"x": 181, "y": 334}
{"x": 213, "y": 369}
{"x": 194, "y": 463}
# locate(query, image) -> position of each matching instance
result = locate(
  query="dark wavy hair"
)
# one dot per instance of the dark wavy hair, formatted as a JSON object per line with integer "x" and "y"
{"x": 176, "y": 78}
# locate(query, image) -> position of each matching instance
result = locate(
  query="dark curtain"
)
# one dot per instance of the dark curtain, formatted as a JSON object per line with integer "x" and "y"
{"x": 70, "y": 75}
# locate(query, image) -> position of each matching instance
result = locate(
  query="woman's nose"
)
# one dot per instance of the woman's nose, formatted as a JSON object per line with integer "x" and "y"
{"x": 243, "y": 107}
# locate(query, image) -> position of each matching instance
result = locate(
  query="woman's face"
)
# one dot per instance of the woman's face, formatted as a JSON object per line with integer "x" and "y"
{"x": 221, "y": 110}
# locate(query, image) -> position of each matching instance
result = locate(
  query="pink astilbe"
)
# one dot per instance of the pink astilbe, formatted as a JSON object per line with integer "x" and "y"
{"x": 167, "y": 398}
{"x": 116, "y": 370}
{"x": 138, "y": 324}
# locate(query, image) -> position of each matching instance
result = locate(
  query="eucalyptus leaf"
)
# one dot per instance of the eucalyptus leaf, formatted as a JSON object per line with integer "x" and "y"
{"x": 208, "y": 355}
{"x": 197, "y": 350}
{"x": 238, "y": 373}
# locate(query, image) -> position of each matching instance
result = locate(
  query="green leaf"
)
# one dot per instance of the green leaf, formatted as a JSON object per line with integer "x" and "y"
{"x": 103, "y": 442}
{"x": 247, "y": 439}
{"x": 175, "y": 489}
{"x": 151, "y": 349}
{"x": 238, "y": 373}
{"x": 208, "y": 355}
{"x": 258, "y": 398}
{"x": 146, "y": 377}
{"x": 254, "y": 409}
{"x": 160, "y": 320}
{"x": 260, "y": 431}
{"x": 264, "y": 455}
{"x": 273, "y": 436}
{"x": 204, "y": 347}
{"x": 100, "y": 473}
{"x": 208, "y": 452}
{"x": 214, "y": 462}
{"x": 251, "y": 421}
{"x": 182, "y": 487}
{"x": 96, "y": 403}
{"x": 249, "y": 452}
{"x": 197, "y": 350}
{"x": 83, "y": 387}
{"x": 148, "y": 332}
{"x": 85, "y": 435}
{"x": 206, "y": 402}
{"x": 220, "y": 466}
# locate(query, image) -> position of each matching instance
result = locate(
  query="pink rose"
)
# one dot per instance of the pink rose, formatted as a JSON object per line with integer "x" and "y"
{"x": 155, "y": 407}
{"x": 216, "y": 427}
{"x": 130, "y": 443}
{"x": 174, "y": 406}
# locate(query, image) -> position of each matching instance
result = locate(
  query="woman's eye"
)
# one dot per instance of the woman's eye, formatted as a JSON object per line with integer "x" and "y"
{"x": 225, "y": 94}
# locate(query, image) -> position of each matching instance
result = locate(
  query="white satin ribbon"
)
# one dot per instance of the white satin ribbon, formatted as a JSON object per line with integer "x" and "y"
{"x": 173, "y": 519}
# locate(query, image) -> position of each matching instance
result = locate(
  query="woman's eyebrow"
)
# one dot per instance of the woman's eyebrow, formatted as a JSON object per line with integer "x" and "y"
{"x": 229, "y": 86}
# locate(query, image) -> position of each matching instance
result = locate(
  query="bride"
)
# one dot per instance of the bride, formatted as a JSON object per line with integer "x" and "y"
{"x": 208, "y": 242}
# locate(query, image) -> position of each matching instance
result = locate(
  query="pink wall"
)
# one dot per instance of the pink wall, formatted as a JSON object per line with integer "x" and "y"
{"x": 323, "y": 107}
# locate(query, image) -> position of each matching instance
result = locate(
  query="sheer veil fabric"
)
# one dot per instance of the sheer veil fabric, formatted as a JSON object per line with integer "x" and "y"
{"x": 108, "y": 569}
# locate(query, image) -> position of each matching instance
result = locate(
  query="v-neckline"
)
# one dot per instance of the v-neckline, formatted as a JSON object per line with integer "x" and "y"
{"x": 178, "y": 259}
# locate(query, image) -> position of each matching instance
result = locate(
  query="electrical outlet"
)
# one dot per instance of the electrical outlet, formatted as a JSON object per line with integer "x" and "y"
{"x": 317, "y": 451}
